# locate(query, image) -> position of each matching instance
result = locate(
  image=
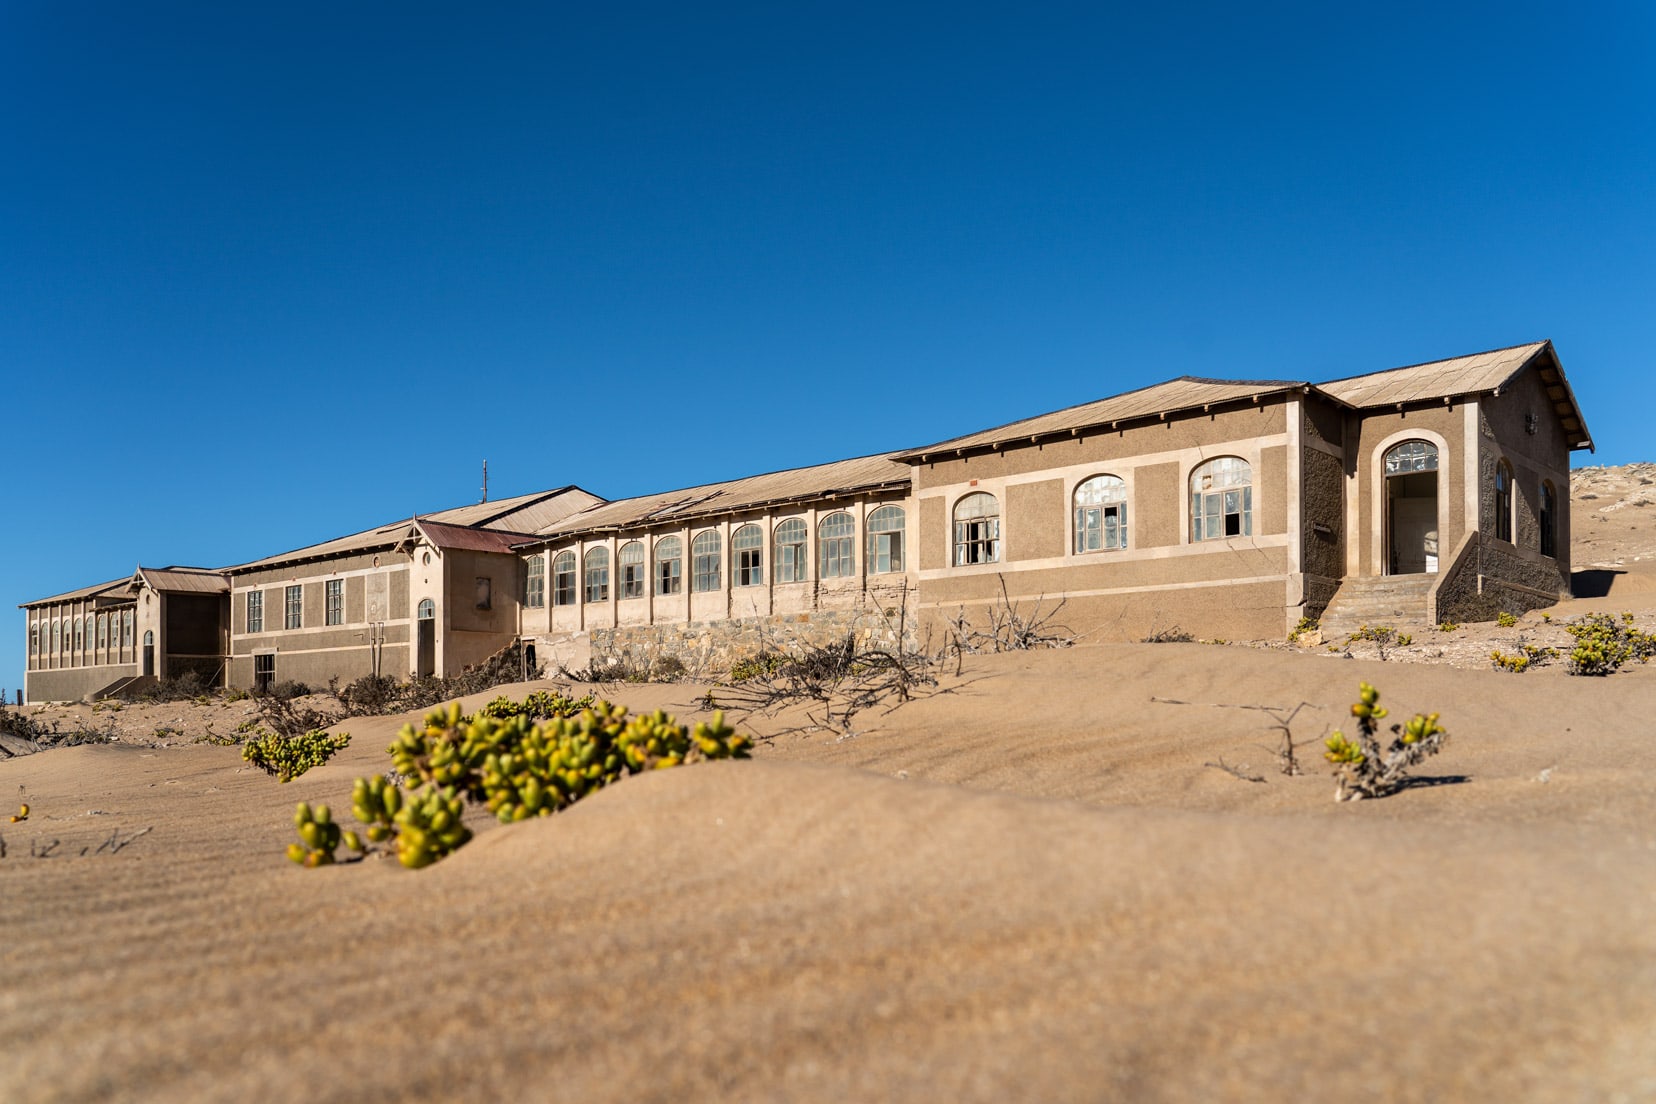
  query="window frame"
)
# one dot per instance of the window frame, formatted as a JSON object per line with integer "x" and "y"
{"x": 333, "y": 601}
{"x": 1547, "y": 518}
{"x": 254, "y": 614}
{"x": 633, "y": 569}
{"x": 1103, "y": 518}
{"x": 747, "y": 556}
{"x": 977, "y": 536}
{"x": 1504, "y": 502}
{"x": 837, "y": 545}
{"x": 668, "y": 575}
{"x": 595, "y": 574}
{"x": 790, "y": 554}
{"x": 534, "y": 581}
{"x": 264, "y": 671}
{"x": 566, "y": 569}
{"x": 884, "y": 552}
{"x": 293, "y": 606}
{"x": 706, "y": 566}
{"x": 1221, "y": 487}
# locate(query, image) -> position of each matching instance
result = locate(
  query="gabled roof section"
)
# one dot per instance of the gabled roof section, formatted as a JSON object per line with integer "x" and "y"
{"x": 467, "y": 538}
{"x": 180, "y": 580}
{"x": 384, "y": 536}
{"x": 1474, "y": 374}
{"x": 839, "y": 479}
{"x": 524, "y": 514}
{"x": 114, "y": 589}
{"x": 1157, "y": 401}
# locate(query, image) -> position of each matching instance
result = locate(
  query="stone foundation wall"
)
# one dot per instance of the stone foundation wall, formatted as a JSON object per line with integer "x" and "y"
{"x": 1319, "y": 591}
{"x": 709, "y": 648}
{"x": 1494, "y": 578}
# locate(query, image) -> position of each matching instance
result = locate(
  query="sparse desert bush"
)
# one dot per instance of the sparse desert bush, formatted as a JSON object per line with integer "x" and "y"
{"x": 1306, "y": 625}
{"x": 1447, "y": 626}
{"x": 1362, "y": 767}
{"x": 540, "y": 704}
{"x": 759, "y": 665}
{"x": 1505, "y": 619}
{"x": 287, "y": 757}
{"x": 515, "y": 767}
{"x": 1527, "y": 656}
{"x": 1174, "y": 635}
{"x": 1603, "y": 644}
{"x": 319, "y": 836}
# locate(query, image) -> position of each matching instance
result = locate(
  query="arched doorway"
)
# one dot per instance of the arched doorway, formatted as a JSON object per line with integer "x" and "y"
{"x": 149, "y": 653}
{"x": 1412, "y": 508}
{"x": 426, "y": 648}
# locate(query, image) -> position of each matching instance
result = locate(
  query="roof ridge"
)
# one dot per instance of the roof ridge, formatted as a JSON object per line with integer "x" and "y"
{"x": 1437, "y": 360}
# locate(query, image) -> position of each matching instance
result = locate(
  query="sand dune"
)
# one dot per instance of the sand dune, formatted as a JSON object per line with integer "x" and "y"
{"x": 1027, "y": 886}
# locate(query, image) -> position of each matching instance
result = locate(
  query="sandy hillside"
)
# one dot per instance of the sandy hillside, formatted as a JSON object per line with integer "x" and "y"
{"x": 1028, "y": 886}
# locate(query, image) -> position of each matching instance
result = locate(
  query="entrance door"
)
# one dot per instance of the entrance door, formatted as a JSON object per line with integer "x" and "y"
{"x": 1412, "y": 508}
{"x": 149, "y": 653}
{"x": 426, "y": 640}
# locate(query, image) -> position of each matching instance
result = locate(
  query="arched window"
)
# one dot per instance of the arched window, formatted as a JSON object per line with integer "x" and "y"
{"x": 127, "y": 627}
{"x": 1503, "y": 501}
{"x": 790, "y": 551}
{"x": 706, "y": 573}
{"x": 1412, "y": 456}
{"x": 885, "y": 540}
{"x": 34, "y": 637}
{"x": 80, "y": 634}
{"x": 103, "y": 631}
{"x": 631, "y": 561}
{"x": 669, "y": 559}
{"x": 977, "y": 529}
{"x": 1101, "y": 514}
{"x": 836, "y": 540}
{"x": 1221, "y": 499}
{"x": 534, "y": 595}
{"x": 1549, "y": 519}
{"x": 563, "y": 579}
{"x": 149, "y": 638}
{"x": 57, "y": 635}
{"x": 426, "y": 612}
{"x": 747, "y": 555}
{"x": 597, "y": 575}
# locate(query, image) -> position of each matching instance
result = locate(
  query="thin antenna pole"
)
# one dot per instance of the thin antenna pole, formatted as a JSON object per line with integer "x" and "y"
{"x": 485, "y": 481}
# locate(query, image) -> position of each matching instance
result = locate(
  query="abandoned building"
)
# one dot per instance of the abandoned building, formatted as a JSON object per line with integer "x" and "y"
{"x": 1228, "y": 508}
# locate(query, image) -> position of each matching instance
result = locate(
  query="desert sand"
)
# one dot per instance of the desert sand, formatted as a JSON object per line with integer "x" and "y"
{"x": 1028, "y": 885}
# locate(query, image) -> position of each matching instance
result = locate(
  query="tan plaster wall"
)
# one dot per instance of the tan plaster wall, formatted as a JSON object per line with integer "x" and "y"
{"x": 1157, "y": 527}
{"x": 1271, "y": 491}
{"x": 356, "y": 600}
{"x": 1035, "y": 522}
{"x": 1322, "y": 488}
{"x": 1240, "y": 611}
{"x": 1544, "y": 455}
{"x": 72, "y": 683}
{"x": 934, "y": 535}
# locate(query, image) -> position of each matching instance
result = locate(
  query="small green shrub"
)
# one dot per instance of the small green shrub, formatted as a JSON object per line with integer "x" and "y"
{"x": 1602, "y": 644}
{"x": 761, "y": 665}
{"x": 1447, "y": 626}
{"x": 1362, "y": 768}
{"x": 1175, "y": 635}
{"x": 319, "y": 837}
{"x": 504, "y": 760}
{"x": 1306, "y": 625}
{"x": 287, "y": 757}
{"x": 1505, "y": 619}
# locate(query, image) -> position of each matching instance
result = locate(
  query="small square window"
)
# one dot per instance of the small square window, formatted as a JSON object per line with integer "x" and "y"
{"x": 485, "y": 593}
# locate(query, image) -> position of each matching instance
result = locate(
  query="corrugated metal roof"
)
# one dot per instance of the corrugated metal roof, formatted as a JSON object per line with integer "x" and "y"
{"x": 1476, "y": 374}
{"x": 1184, "y": 393}
{"x": 1437, "y": 379}
{"x": 842, "y": 477}
{"x": 384, "y": 536}
{"x": 523, "y": 514}
{"x": 466, "y": 537}
{"x": 182, "y": 580}
{"x": 110, "y": 589}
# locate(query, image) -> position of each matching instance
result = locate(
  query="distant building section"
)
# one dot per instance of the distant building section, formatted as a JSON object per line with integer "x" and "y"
{"x": 1228, "y": 508}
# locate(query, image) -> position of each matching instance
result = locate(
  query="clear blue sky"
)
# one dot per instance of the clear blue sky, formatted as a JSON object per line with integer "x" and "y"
{"x": 270, "y": 274}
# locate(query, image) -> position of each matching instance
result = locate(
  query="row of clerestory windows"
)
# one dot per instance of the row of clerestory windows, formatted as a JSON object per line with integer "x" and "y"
{"x": 789, "y": 559}
{"x": 76, "y": 636}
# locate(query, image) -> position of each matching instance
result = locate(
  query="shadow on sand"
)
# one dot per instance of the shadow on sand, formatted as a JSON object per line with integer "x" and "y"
{"x": 1593, "y": 582}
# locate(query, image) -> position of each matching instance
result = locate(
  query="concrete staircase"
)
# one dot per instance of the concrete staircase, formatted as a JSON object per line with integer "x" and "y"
{"x": 1393, "y": 600}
